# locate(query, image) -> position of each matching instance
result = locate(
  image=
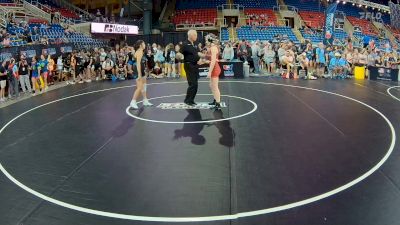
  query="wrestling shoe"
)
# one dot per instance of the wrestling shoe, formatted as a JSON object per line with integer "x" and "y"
{"x": 147, "y": 103}
{"x": 134, "y": 105}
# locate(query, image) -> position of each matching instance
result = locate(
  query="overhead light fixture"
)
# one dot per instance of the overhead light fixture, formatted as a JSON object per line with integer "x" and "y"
{"x": 344, "y": 2}
{"x": 354, "y": 4}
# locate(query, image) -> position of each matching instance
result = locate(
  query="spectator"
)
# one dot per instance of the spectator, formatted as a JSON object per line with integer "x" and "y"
{"x": 108, "y": 68}
{"x": 23, "y": 70}
{"x": 43, "y": 71}
{"x": 13, "y": 79}
{"x": 269, "y": 58}
{"x": 228, "y": 53}
{"x": 7, "y": 41}
{"x": 255, "y": 55}
{"x": 3, "y": 80}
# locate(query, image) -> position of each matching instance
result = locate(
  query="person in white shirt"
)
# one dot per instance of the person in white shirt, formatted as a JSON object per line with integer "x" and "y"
{"x": 228, "y": 53}
{"x": 107, "y": 68}
{"x": 255, "y": 50}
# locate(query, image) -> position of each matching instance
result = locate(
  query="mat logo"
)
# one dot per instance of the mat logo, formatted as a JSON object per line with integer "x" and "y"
{"x": 115, "y": 28}
{"x": 200, "y": 105}
{"x": 228, "y": 70}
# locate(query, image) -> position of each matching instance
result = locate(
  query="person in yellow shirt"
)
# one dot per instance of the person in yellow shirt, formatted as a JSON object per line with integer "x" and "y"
{"x": 51, "y": 67}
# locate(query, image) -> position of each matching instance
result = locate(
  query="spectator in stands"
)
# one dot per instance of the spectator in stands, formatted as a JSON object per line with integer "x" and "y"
{"x": 98, "y": 16}
{"x": 159, "y": 58}
{"x": 71, "y": 63}
{"x": 169, "y": 55}
{"x": 228, "y": 53}
{"x": 7, "y": 41}
{"x": 13, "y": 79}
{"x": 255, "y": 55}
{"x": 51, "y": 69}
{"x": 3, "y": 80}
{"x": 269, "y": 58}
{"x": 36, "y": 78}
{"x": 242, "y": 50}
{"x": 107, "y": 68}
{"x": 60, "y": 67}
{"x": 121, "y": 69}
{"x": 23, "y": 70}
{"x": 44, "y": 40}
{"x": 43, "y": 70}
{"x": 179, "y": 59}
{"x": 320, "y": 59}
{"x": 363, "y": 57}
{"x": 112, "y": 19}
{"x": 288, "y": 61}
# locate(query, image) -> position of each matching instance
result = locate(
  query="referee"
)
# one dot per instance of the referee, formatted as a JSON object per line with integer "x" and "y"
{"x": 191, "y": 60}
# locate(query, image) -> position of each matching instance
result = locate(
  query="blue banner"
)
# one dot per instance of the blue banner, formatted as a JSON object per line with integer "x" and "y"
{"x": 329, "y": 23}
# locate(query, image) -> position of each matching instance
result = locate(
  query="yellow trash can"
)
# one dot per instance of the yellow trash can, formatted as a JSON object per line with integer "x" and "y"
{"x": 183, "y": 72}
{"x": 359, "y": 72}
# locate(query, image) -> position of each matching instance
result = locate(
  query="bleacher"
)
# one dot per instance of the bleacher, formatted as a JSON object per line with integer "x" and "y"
{"x": 192, "y": 16}
{"x": 340, "y": 34}
{"x": 268, "y": 14}
{"x": 313, "y": 19}
{"x": 52, "y": 8}
{"x": 314, "y": 37}
{"x": 198, "y": 4}
{"x": 395, "y": 32}
{"x": 224, "y": 34}
{"x": 265, "y": 33}
{"x": 366, "y": 26}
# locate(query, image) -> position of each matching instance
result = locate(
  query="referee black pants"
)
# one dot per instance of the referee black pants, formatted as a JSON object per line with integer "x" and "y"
{"x": 192, "y": 75}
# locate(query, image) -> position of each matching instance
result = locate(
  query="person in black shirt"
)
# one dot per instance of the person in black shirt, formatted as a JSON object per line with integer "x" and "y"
{"x": 3, "y": 80}
{"x": 23, "y": 70}
{"x": 191, "y": 60}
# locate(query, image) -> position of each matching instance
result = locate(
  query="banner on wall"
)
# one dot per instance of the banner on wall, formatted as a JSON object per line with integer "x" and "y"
{"x": 29, "y": 53}
{"x": 329, "y": 23}
{"x": 67, "y": 49}
{"x": 49, "y": 51}
{"x": 5, "y": 56}
{"x": 109, "y": 28}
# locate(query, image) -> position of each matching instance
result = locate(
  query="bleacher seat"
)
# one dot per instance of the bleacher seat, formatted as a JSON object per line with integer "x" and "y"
{"x": 224, "y": 34}
{"x": 265, "y": 33}
{"x": 192, "y": 16}
{"x": 53, "y": 7}
{"x": 313, "y": 19}
{"x": 366, "y": 26}
{"x": 340, "y": 34}
{"x": 268, "y": 13}
{"x": 314, "y": 37}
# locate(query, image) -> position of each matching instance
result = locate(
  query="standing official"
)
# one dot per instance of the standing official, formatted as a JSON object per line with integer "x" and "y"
{"x": 191, "y": 60}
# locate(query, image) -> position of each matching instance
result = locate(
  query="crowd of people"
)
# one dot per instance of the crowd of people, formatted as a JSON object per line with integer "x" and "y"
{"x": 312, "y": 62}
{"x": 34, "y": 75}
{"x": 256, "y": 20}
{"x": 26, "y": 33}
{"x": 23, "y": 75}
